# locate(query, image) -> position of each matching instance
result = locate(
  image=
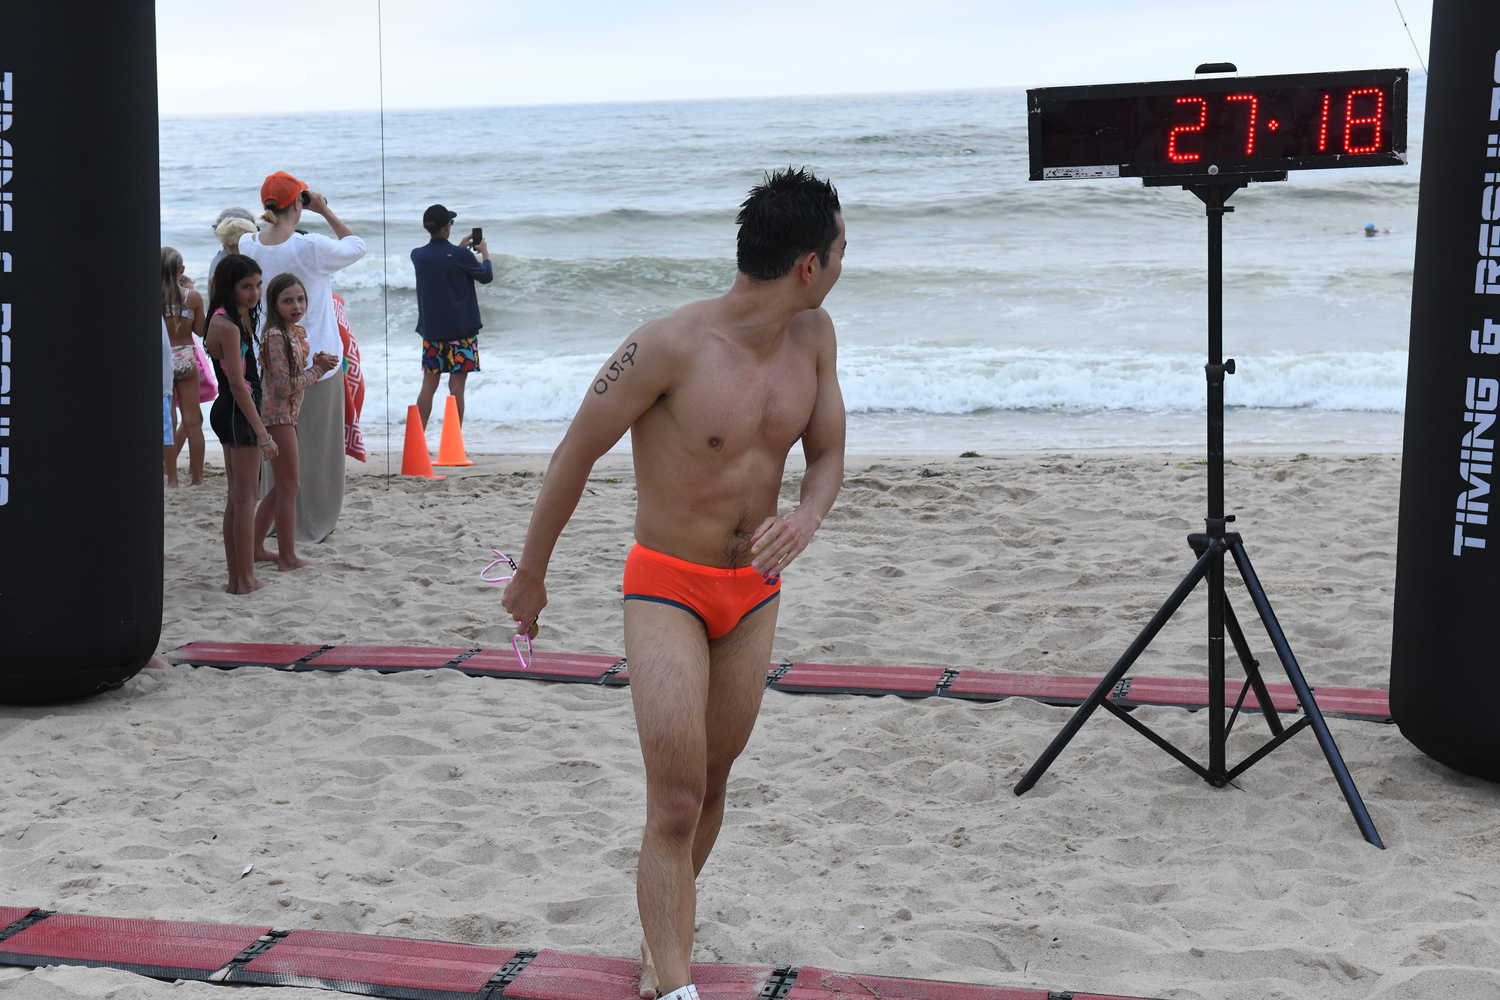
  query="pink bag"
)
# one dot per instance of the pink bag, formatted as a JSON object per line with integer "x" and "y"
{"x": 208, "y": 389}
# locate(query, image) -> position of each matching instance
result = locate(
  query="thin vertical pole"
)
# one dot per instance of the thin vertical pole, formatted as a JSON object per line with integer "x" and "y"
{"x": 385, "y": 284}
{"x": 1214, "y": 207}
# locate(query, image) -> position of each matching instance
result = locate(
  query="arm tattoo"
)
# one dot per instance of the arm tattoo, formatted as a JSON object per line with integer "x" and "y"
{"x": 615, "y": 370}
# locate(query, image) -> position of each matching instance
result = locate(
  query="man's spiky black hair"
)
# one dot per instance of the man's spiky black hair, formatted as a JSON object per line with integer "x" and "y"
{"x": 791, "y": 214}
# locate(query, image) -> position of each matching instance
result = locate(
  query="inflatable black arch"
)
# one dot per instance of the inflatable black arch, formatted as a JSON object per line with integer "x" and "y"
{"x": 80, "y": 364}
{"x": 1445, "y": 672}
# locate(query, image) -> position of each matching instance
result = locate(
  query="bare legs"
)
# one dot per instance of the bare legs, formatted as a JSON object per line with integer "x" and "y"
{"x": 430, "y": 382}
{"x": 189, "y": 432}
{"x": 280, "y": 504}
{"x": 456, "y": 382}
{"x": 695, "y": 706}
{"x": 242, "y": 466}
{"x": 169, "y": 452}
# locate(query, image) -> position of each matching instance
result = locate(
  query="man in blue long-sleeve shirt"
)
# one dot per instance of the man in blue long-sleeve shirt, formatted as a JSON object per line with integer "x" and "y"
{"x": 447, "y": 308}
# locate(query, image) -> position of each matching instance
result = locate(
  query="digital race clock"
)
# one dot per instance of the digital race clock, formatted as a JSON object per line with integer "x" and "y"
{"x": 1220, "y": 126}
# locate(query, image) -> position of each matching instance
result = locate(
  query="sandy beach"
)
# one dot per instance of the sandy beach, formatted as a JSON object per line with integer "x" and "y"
{"x": 863, "y": 834}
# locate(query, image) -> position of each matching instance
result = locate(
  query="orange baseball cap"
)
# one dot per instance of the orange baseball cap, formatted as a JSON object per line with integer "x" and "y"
{"x": 280, "y": 190}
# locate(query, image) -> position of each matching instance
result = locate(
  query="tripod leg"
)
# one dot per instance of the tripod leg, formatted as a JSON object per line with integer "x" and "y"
{"x": 1214, "y": 553}
{"x": 1304, "y": 695}
{"x": 1252, "y": 669}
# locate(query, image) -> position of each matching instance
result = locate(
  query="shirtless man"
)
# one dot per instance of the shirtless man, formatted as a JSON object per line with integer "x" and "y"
{"x": 714, "y": 396}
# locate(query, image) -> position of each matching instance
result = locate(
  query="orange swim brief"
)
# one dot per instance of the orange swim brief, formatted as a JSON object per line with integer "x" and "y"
{"x": 719, "y": 598}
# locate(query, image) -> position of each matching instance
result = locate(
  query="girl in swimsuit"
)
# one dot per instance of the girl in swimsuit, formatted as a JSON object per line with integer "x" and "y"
{"x": 234, "y": 312}
{"x": 284, "y": 377}
{"x": 183, "y": 311}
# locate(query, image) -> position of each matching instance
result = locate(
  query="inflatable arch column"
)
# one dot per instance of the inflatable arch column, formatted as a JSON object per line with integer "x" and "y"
{"x": 1445, "y": 656}
{"x": 80, "y": 347}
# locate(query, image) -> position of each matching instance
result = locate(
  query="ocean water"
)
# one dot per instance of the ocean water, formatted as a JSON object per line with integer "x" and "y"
{"x": 977, "y": 310}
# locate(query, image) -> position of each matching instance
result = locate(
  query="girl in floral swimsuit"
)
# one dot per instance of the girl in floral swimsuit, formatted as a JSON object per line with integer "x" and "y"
{"x": 285, "y": 374}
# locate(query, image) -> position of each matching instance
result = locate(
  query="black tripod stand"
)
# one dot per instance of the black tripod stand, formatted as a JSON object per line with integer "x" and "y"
{"x": 1211, "y": 547}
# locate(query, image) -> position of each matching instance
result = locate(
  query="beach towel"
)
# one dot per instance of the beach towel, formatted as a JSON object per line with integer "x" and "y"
{"x": 354, "y": 385}
{"x": 208, "y": 389}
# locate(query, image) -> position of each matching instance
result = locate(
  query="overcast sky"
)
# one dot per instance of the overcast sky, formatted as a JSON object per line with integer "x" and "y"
{"x": 314, "y": 55}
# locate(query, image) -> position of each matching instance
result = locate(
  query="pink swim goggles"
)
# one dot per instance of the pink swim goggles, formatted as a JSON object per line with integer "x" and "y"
{"x": 515, "y": 641}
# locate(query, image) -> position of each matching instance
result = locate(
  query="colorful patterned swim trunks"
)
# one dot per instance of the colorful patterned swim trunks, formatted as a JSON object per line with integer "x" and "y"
{"x": 451, "y": 355}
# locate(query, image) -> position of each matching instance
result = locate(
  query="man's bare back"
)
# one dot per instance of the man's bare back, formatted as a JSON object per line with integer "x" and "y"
{"x": 714, "y": 397}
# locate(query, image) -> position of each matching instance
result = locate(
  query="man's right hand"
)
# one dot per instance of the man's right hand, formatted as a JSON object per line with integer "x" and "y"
{"x": 524, "y": 598}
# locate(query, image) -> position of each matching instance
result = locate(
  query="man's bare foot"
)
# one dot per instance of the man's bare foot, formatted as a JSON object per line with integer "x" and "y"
{"x": 648, "y": 973}
{"x": 172, "y": 482}
{"x": 247, "y": 585}
{"x": 295, "y": 563}
{"x": 263, "y": 554}
{"x": 197, "y": 481}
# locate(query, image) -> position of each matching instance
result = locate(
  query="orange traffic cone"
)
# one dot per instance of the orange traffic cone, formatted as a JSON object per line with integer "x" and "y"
{"x": 451, "y": 444}
{"x": 414, "y": 459}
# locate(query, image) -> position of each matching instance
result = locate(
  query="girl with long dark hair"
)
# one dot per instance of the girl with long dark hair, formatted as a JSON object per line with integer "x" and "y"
{"x": 285, "y": 376}
{"x": 234, "y": 312}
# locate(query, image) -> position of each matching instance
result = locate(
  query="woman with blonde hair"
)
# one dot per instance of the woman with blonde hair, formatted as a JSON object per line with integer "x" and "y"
{"x": 231, "y": 224}
{"x": 182, "y": 311}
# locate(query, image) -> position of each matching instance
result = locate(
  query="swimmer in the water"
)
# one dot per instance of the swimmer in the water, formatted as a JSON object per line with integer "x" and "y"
{"x": 714, "y": 396}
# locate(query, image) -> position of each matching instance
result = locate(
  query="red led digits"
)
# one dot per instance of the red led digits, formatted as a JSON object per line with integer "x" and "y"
{"x": 1250, "y": 132}
{"x": 1350, "y": 120}
{"x": 1172, "y": 153}
{"x": 1323, "y": 128}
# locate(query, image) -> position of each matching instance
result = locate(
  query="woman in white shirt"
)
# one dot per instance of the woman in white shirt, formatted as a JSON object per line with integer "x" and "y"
{"x": 314, "y": 259}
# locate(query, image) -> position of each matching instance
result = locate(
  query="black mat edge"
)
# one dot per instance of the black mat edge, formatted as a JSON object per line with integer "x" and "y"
{"x": 868, "y": 692}
{"x": 349, "y": 986}
{"x": 500, "y": 980}
{"x": 153, "y": 971}
{"x": 783, "y": 978}
{"x": 252, "y": 951}
{"x": 30, "y": 918}
{"x": 527, "y": 675}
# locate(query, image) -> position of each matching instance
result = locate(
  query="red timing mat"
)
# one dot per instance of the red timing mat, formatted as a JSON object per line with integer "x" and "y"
{"x": 982, "y": 685}
{"x": 387, "y": 657}
{"x": 822, "y": 678}
{"x": 240, "y": 654}
{"x": 622, "y": 676}
{"x": 840, "y": 678}
{"x": 10, "y": 914}
{"x": 555, "y": 975}
{"x": 820, "y": 984}
{"x": 410, "y": 969}
{"x": 1354, "y": 703}
{"x": 1193, "y": 693}
{"x": 434, "y": 968}
{"x": 162, "y": 948}
{"x": 579, "y": 667}
{"x": 730, "y": 982}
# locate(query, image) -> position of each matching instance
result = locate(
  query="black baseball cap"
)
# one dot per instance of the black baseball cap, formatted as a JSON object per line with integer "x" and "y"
{"x": 436, "y": 217}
